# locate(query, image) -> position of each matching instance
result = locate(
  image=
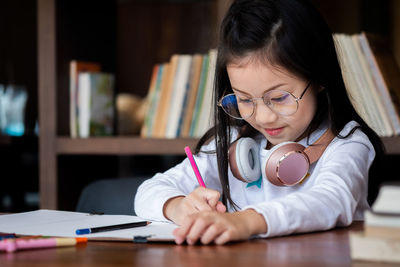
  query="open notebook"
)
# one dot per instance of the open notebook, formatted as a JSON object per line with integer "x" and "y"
{"x": 65, "y": 223}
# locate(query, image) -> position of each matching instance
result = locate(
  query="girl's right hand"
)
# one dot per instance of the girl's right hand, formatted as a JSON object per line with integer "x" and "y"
{"x": 201, "y": 199}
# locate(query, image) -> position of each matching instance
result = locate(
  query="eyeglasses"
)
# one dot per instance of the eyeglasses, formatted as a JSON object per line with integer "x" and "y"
{"x": 279, "y": 101}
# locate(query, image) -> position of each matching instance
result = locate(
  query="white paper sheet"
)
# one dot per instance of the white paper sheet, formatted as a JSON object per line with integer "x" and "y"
{"x": 65, "y": 223}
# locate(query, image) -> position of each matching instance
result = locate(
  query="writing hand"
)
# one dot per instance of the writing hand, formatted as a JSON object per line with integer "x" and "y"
{"x": 201, "y": 199}
{"x": 211, "y": 226}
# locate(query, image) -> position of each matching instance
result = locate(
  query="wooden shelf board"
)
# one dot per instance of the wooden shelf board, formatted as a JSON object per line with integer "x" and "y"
{"x": 151, "y": 146}
{"x": 123, "y": 146}
{"x": 392, "y": 144}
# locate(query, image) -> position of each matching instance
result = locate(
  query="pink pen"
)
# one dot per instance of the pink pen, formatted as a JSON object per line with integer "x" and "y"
{"x": 11, "y": 245}
{"x": 194, "y": 166}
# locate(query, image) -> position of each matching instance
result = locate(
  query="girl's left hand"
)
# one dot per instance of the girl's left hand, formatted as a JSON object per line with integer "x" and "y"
{"x": 212, "y": 226}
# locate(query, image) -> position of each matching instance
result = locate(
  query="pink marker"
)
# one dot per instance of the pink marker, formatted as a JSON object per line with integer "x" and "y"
{"x": 11, "y": 245}
{"x": 194, "y": 166}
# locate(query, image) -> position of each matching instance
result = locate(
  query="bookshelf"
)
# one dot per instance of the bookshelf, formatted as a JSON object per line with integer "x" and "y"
{"x": 61, "y": 38}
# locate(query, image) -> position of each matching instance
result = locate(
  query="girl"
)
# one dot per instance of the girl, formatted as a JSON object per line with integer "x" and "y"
{"x": 277, "y": 79}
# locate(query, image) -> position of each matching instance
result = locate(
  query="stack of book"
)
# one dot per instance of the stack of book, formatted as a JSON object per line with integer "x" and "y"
{"x": 180, "y": 97}
{"x": 380, "y": 239}
{"x": 91, "y": 100}
{"x": 372, "y": 79}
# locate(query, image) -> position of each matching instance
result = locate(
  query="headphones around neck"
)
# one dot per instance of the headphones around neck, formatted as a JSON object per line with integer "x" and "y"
{"x": 287, "y": 163}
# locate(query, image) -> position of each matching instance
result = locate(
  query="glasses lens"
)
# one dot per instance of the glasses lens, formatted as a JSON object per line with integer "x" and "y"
{"x": 230, "y": 106}
{"x": 281, "y": 102}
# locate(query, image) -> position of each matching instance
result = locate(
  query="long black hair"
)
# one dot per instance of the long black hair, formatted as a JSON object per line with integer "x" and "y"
{"x": 291, "y": 34}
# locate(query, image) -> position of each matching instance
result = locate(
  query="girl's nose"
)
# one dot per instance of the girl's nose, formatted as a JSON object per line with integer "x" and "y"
{"x": 263, "y": 114}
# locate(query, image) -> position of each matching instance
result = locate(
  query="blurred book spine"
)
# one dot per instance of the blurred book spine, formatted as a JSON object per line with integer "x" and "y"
{"x": 96, "y": 105}
{"x": 75, "y": 67}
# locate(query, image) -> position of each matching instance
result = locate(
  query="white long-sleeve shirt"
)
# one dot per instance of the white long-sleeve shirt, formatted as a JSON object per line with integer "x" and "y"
{"x": 334, "y": 194}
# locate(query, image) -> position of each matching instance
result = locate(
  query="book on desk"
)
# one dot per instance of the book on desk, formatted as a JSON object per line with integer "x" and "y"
{"x": 65, "y": 223}
{"x": 380, "y": 239}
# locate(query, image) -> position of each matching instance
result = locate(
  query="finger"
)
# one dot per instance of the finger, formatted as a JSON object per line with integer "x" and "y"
{"x": 204, "y": 199}
{"x": 210, "y": 234}
{"x": 178, "y": 238}
{"x": 212, "y": 197}
{"x": 198, "y": 228}
{"x": 220, "y": 207}
{"x": 181, "y": 232}
{"x": 223, "y": 238}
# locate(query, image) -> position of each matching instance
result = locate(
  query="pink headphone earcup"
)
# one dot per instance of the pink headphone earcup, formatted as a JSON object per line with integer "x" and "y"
{"x": 244, "y": 160}
{"x": 287, "y": 164}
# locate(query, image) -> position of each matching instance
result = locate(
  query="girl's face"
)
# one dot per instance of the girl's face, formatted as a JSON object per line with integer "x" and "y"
{"x": 252, "y": 79}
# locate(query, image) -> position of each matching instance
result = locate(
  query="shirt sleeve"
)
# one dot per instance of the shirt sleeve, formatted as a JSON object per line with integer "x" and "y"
{"x": 177, "y": 181}
{"x": 339, "y": 186}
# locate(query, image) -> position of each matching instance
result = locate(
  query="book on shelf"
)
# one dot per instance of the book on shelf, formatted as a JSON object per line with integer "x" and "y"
{"x": 387, "y": 74}
{"x": 378, "y": 81}
{"x": 204, "y": 121}
{"x": 96, "y": 104}
{"x": 179, "y": 97}
{"x": 373, "y": 98}
{"x": 153, "y": 116}
{"x": 187, "y": 111}
{"x": 348, "y": 77}
{"x": 200, "y": 95}
{"x": 152, "y": 99}
{"x": 167, "y": 82}
{"x": 380, "y": 239}
{"x": 372, "y": 79}
{"x": 75, "y": 67}
{"x": 179, "y": 90}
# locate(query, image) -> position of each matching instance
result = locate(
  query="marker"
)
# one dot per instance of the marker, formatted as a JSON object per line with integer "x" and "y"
{"x": 111, "y": 228}
{"x": 11, "y": 245}
{"x": 6, "y": 236}
{"x": 194, "y": 166}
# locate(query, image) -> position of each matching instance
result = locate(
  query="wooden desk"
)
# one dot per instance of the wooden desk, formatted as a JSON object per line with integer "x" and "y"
{"x": 329, "y": 248}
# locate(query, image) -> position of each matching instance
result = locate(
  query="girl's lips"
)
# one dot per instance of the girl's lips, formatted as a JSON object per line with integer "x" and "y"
{"x": 275, "y": 131}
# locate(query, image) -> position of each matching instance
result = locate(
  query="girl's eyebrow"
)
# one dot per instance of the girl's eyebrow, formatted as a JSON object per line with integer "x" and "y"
{"x": 269, "y": 89}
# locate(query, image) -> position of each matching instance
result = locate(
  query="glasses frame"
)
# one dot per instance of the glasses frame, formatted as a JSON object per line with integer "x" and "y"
{"x": 253, "y": 100}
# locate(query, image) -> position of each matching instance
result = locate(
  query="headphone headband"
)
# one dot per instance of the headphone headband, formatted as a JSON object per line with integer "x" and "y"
{"x": 315, "y": 150}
